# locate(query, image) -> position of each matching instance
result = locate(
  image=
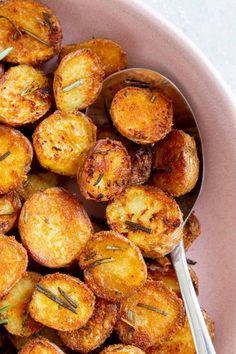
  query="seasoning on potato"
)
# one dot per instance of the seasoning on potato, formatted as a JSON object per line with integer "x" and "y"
{"x": 62, "y": 302}
{"x": 105, "y": 172}
{"x": 62, "y": 140}
{"x": 121, "y": 348}
{"x": 192, "y": 230}
{"x": 10, "y": 206}
{"x": 40, "y": 345}
{"x": 54, "y": 227}
{"x": 113, "y": 266}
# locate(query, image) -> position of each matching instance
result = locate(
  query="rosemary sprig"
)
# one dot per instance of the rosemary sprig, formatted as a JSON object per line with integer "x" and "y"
{"x": 153, "y": 99}
{"x": 113, "y": 248}
{"x": 152, "y": 308}
{"x": 73, "y": 85}
{"x": 5, "y": 155}
{"x": 137, "y": 83}
{"x": 127, "y": 322}
{"x": 100, "y": 261}
{"x": 99, "y": 179}
{"x": 5, "y": 52}
{"x": 190, "y": 261}
{"x": 136, "y": 226}
{"x": 5, "y": 321}
{"x": 4, "y": 308}
{"x": 18, "y": 32}
{"x": 35, "y": 37}
{"x": 67, "y": 298}
{"x": 47, "y": 19}
{"x": 8, "y": 214}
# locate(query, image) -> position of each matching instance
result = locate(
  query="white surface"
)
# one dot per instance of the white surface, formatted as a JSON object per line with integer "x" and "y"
{"x": 211, "y": 25}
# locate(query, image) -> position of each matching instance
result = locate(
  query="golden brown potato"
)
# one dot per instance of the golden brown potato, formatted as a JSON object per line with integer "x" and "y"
{"x": 148, "y": 217}
{"x": 14, "y": 262}
{"x": 19, "y": 321}
{"x": 113, "y": 267}
{"x": 1, "y": 70}
{"x": 121, "y": 348}
{"x": 96, "y": 330}
{"x": 24, "y": 94}
{"x": 78, "y": 80}
{"x": 112, "y": 56}
{"x": 192, "y": 230}
{"x": 141, "y": 115}
{"x": 62, "y": 302}
{"x": 10, "y": 206}
{"x": 31, "y": 29}
{"x": 16, "y": 154}
{"x": 105, "y": 172}
{"x": 175, "y": 163}
{"x": 40, "y": 345}
{"x": 150, "y": 316}
{"x": 54, "y": 227}
{"x": 62, "y": 140}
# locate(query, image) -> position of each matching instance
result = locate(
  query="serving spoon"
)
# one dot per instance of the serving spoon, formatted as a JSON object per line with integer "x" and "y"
{"x": 183, "y": 119}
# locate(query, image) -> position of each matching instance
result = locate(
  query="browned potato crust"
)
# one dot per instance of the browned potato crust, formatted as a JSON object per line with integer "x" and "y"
{"x": 140, "y": 321}
{"x": 40, "y": 345}
{"x": 175, "y": 163}
{"x": 113, "y": 267}
{"x": 96, "y": 330}
{"x": 148, "y": 217}
{"x": 105, "y": 172}
{"x": 83, "y": 70}
{"x": 121, "y": 348}
{"x": 192, "y": 230}
{"x": 50, "y": 314}
{"x": 112, "y": 56}
{"x": 141, "y": 115}
{"x": 16, "y": 155}
{"x": 19, "y": 16}
{"x": 54, "y": 227}
{"x": 62, "y": 140}
{"x": 14, "y": 262}
{"x": 10, "y": 206}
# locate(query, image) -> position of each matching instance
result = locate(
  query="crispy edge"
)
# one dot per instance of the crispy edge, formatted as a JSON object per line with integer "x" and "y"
{"x": 8, "y": 222}
{"x": 40, "y": 341}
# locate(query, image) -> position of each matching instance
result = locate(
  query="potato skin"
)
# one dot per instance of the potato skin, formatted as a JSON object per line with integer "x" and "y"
{"x": 40, "y": 345}
{"x": 62, "y": 140}
{"x": 153, "y": 209}
{"x": 175, "y": 163}
{"x": 192, "y": 230}
{"x": 96, "y": 330}
{"x": 15, "y": 166}
{"x": 14, "y": 261}
{"x": 119, "y": 278}
{"x": 112, "y": 56}
{"x": 105, "y": 172}
{"x": 121, "y": 348}
{"x": 54, "y": 227}
{"x": 29, "y": 15}
{"x": 139, "y": 117}
{"x": 82, "y": 65}
{"x": 10, "y": 206}
{"x": 50, "y": 314}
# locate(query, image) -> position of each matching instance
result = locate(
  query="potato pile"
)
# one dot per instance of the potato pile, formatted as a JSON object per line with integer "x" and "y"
{"x": 69, "y": 281}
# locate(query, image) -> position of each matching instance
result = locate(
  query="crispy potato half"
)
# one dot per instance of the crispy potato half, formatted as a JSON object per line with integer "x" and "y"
{"x": 192, "y": 230}
{"x": 54, "y": 227}
{"x": 40, "y": 345}
{"x": 16, "y": 154}
{"x": 31, "y": 29}
{"x": 14, "y": 262}
{"x": 78, "y": 80}
{"x": 19, "y": 321}
{"x": 10, "y": 206}
{"x": 148, "y": 217}
{"x": 175, "y": 163}
{"x": 24, "y": 94}
{"x": 62, "y": 302}
{"x": 62, "y": 140}
{"x": 105, "y": 172}
{"x": 112, "y": 56}
{"x": 150, "y": 316}
{"x": 121, "y": 348}
{"x": 113, "y": 267}
{"x": 141, "y": 115}
{"x": 96, "y": 330}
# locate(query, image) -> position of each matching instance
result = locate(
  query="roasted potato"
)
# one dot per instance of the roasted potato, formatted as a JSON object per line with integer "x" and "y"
{"x": 62, "y": 140}
{"x": 14, "y": 262}
{"x": 62, "y": 302}
{"x": 121, "y": 348}
{"x": 112, "y": 56}
{"x": 105, "y": 172}
{"x": 150, "y": 316}
{"x": 192, "y": 230}
{"x": 24, "y": 95}
{"x": 1, "y": 70}
{"x": 19, "y": 321}
{"x": 141, "y": 115}
{"x": 54, "y": 227}
{"x": 31, "y": 29}
{"x": 16, "y": 155}
{"x": 148, "y": 217}
{"x": 96, "y": 330}
{"x": 113, "y": 267}
{"x": 40, "y": 345}
{"x": 175, "y": 163}
{"x": 78, "y": 80}
{"x": 10, "y": 206}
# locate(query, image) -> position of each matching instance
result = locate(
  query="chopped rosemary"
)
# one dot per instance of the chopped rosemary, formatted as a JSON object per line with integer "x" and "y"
{"x": 99, "y": 179}
{"x": 5, "y": 321}
{"x": 4, "y": 308}
{"x": 55, "y": 298}
{"x": 47, "y": 18}
{"x": 191, "y": 262}
{"x": 137, "y": 83}
{"x": 18, "y": 32}
{"x": 152, "y": 308}
{"x": 5, "y": 52}
{"x": 128, "y": 322}
{"x": 113, "y": 248}
{"x": 153, "y": 98}
{"x": 35, "y": 37}
{"x": 130, "y": 315}
{"x": 25, "y": 318}
{"x": 73, "y": 85}
{"x": 90, "y": 256}
{"x": 29, "y": 90}
{"x": 5, "y": 155}
{"x": 136, "y": 226}
{"x": 100, "y": 261}
{"x": 67, "y": 298}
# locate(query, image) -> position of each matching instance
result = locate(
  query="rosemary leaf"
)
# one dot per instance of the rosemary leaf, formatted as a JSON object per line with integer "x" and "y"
{"x": 131, "y": 315}
{"x": 5, "y": 155}
{"x": 8, "y": 214}
{"x": 191, "y": 262}
{"x": 153, "y": 98}
{"x": 35, "y": 37}
{"x": 128, "y": 322}
{"x": 90, "y": 256}
{"x": 2, "y": 309}
{"x": 5, "y": 52}
{"x": 5, "y": 321}
{"x": 73, "y": 85}
{"x": 137, "y": 83}
{"x": 99, "y": 179}
{"x": 29, "y": 90}
{"x": 113, "y": 248}
{"x": 18, "y": 32}
{"x": 100, "y": 261}
{"x": 67, "y": 297}
{"x": 25, "y": 318}
{"x": 152, "y": 308}
{"x": 162, "y": 170}
{"x": 47, "y": 18}
{"x": 136, "y": 226}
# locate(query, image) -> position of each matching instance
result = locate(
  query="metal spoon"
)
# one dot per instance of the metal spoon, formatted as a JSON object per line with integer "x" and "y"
{"x": 183, "y": 119}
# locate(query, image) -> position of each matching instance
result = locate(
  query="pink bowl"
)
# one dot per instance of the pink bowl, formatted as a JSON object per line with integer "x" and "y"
{"x": 154, "y": 43}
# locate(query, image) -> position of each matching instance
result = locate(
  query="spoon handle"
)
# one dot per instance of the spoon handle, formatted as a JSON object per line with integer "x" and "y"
{"x": 202, "y": 339}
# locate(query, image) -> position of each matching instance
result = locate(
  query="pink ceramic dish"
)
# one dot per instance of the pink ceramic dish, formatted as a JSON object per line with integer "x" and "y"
{"x": 153, "y": 43}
